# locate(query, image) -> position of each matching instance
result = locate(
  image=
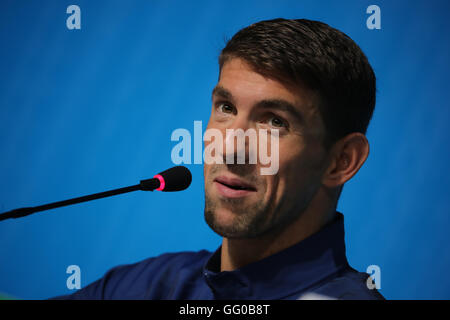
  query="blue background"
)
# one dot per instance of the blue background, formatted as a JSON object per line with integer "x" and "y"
{"x": 83, "y": 111}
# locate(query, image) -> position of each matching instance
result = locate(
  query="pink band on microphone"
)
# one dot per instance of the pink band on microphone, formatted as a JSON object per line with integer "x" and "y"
{"x": 162, "y": 183}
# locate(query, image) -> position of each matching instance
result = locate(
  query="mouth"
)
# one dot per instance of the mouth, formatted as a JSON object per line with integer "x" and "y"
{"x": 233, "y": 187}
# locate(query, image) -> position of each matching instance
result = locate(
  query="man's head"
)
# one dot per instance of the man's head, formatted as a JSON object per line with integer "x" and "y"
{"x": 313, "y": 84}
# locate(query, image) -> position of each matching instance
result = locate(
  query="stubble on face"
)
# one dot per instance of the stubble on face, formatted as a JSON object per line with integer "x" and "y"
{"x": 249, "y": 217}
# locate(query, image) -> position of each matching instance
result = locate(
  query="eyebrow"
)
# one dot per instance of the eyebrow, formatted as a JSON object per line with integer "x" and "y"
{"x": 222, "y": 92}
{"x": 277, "y": 104}
{"x": 281, "y": 105}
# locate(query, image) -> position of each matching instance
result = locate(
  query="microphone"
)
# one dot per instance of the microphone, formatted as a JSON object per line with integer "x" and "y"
{"x": 174, "y": 179}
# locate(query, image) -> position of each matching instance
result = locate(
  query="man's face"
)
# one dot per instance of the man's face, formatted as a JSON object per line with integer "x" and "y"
{"x": 239, "y": 201}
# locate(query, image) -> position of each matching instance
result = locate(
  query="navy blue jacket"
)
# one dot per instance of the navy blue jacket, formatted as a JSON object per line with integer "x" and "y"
{"x": 313, "y": 268}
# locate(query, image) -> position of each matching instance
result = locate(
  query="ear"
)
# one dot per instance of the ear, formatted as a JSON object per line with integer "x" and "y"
{"x": 347, "y": 156}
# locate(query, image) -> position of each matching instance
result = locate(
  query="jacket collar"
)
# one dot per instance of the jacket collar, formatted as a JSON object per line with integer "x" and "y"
{"x": 285, "y": 273}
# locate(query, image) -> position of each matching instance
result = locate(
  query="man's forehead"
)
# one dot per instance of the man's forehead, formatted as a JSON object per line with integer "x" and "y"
{"x": 237, "y": 77}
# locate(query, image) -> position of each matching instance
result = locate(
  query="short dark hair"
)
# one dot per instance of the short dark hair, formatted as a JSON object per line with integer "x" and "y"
{"x": 315, "y": 55}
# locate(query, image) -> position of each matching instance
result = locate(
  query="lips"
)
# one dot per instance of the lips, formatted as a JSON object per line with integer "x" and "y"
{"x": 233, "y": 187}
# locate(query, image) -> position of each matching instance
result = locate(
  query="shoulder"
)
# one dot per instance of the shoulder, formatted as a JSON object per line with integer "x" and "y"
{"x": 347, "y": 285}
{"x": 147, "y": 279}
{"x": 163, "y": 263}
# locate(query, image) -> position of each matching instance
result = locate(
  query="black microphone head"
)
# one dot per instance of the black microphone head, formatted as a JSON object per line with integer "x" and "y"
{"x": 174, "y": 179}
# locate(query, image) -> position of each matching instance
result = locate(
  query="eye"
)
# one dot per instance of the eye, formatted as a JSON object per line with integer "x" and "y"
{"x": 277, "y": 122}
{"x": 226, "y": 108}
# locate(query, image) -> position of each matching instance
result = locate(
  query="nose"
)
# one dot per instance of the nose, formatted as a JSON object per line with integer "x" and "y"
{"x": 238, "y": 137}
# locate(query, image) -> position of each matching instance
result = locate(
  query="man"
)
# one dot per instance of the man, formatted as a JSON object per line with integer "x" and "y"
{"x": 282, "y": 235}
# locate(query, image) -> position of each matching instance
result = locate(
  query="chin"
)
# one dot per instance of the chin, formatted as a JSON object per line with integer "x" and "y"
{"x": 224, "y": 218}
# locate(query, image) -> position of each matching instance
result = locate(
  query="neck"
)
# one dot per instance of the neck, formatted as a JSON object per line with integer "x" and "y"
{"x": 236, "y": 253}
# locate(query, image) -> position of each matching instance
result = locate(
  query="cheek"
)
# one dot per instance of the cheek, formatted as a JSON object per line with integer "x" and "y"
{"x": 287, "y": 174}
{"x": 296, "y": 171}
{"x": 291, "y": 157}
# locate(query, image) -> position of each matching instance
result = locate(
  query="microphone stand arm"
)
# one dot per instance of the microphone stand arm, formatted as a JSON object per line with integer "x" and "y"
{"x": 147, "y": 185}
